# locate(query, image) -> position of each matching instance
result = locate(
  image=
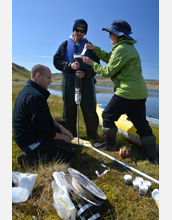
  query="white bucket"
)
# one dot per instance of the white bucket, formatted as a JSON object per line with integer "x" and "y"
{"x": 127, "y": 179}
{"x": 19, "y": 194}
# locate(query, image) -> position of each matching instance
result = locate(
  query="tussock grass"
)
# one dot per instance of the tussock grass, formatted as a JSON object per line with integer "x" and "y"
{"x": 122, "y": 201}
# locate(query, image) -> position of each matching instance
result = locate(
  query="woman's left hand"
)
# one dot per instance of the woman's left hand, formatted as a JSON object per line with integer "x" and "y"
{"x": 80, "y": 74}
{"x": 87, "y": 60}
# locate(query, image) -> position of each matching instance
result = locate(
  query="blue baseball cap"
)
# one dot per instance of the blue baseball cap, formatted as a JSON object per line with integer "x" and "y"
{"x": 120, "y": 28}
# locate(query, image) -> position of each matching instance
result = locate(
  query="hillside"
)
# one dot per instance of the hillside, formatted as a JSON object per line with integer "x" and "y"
{"x": 19, "y": 73}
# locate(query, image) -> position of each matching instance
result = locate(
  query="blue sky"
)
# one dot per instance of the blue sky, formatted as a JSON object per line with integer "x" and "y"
{"x": 40, "y": 26}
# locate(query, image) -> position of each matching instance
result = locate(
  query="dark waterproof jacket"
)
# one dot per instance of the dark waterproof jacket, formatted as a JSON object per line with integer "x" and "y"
{"x": 32, "y": 120}
{"x": 65, "y": 66}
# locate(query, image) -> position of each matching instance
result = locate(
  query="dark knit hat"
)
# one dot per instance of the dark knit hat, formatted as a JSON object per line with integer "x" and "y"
{"x": 80, "y": 23}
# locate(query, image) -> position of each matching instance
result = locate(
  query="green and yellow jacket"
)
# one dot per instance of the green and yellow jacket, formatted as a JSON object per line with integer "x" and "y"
{"x": 124, "y": 68}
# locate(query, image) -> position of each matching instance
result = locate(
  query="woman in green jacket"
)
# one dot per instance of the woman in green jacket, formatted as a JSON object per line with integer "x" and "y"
{"x": 124, "y": 68}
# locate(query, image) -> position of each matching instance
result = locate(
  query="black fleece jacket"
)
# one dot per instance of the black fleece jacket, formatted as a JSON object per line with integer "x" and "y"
{"x": 32, "y": 120}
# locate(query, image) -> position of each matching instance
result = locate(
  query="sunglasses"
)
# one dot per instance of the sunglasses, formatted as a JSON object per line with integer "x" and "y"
{"x": 81, "y": 31}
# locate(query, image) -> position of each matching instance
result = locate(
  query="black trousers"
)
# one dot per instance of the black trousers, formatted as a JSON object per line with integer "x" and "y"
{"x": 53, "y": 149}
{"x": 88, "y": 104}
{"x": 134, "y": 109}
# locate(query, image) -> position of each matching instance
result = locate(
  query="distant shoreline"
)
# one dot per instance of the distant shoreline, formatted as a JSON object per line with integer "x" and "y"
{"x": 101, "y": 81}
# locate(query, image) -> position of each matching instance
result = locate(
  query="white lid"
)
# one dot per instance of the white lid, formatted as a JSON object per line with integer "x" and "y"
{"x": 148, "y": 183}
{"x": 136, "y": 182}
{"x": 139, "y": 178}
{"x": 155, "y": 194}
{"x": 127, "y": 176}
{"x": 143, "y": 187}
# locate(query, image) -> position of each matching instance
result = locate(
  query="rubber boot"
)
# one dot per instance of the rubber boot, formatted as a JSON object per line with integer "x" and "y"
{"x": 150, "y": 153}
{"x": 149, "y": 147}
{"x": 109, "y": 144}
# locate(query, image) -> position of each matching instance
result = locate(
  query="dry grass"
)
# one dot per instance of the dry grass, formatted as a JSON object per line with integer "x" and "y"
{"x": 40, "y": 204}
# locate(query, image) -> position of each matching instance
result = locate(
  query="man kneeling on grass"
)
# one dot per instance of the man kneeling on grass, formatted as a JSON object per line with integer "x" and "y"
{"x": 35, "y": 131}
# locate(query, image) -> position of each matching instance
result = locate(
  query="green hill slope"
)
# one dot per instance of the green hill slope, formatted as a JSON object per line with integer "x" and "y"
{"x": 19, "y": 73}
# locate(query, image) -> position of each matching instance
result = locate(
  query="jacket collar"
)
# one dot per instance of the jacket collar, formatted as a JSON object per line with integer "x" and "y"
{"x": 43, "y": 91}
{"x": 124, "y": 40}
{"x": 72, "y": 37}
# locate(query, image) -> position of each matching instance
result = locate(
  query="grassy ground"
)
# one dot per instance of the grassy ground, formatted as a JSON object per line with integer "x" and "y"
{"x": 122, "y": 201}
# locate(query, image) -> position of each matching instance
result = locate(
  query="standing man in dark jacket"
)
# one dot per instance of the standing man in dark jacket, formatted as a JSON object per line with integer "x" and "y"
{"x": 34, "y": 128}
{"x": 64, "y": 61}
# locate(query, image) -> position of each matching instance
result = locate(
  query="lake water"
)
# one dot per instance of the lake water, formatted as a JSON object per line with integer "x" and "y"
{"x": 105, "y": 93}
